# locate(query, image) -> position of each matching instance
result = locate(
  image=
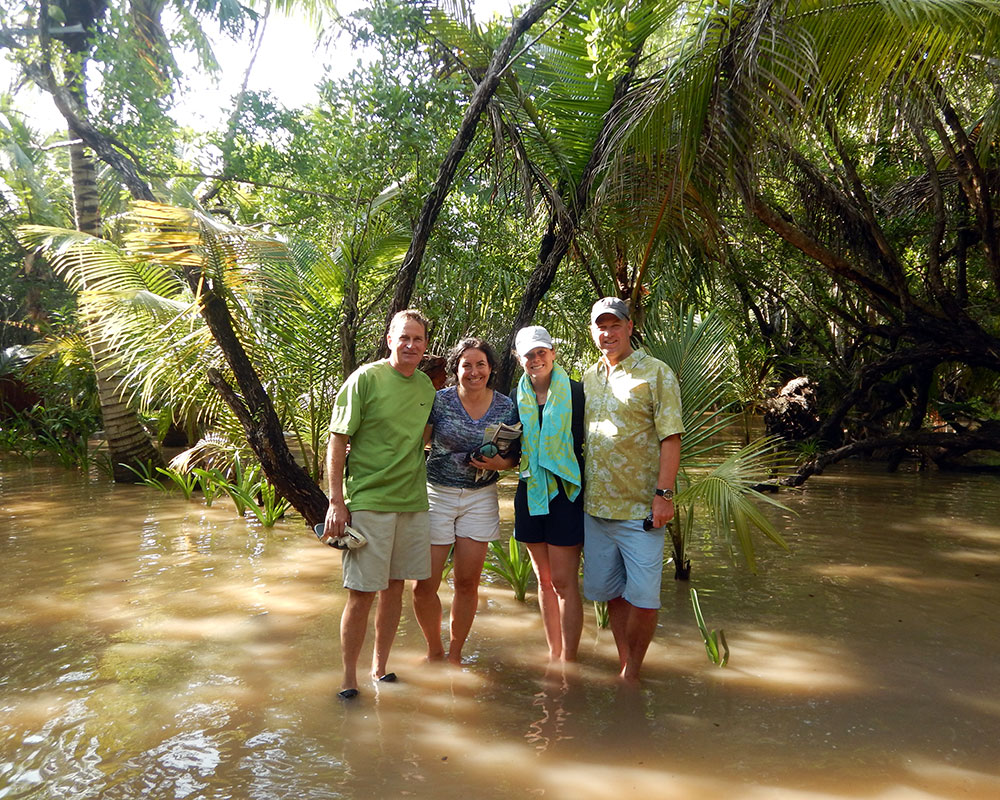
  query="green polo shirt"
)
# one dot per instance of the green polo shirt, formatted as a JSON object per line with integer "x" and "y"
{"x": 630, "y": 408}
{"x": 384, "y": 414}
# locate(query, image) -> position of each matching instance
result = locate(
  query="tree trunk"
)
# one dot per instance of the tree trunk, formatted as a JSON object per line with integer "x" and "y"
{"x": 256, "y": 412}
{"x": 554, "y": 246}
{"x": 407, "y": 274}
{"x": 129, "y": 445}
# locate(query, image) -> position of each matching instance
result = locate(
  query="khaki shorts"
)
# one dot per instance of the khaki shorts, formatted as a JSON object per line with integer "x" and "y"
{"x": 399, "y": 548}
{"x": 463, "y": 513}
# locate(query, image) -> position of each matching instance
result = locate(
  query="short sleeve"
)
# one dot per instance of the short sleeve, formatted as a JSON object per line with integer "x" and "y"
{"x": 667, "y": 406}
{"x": 346, "y": 417}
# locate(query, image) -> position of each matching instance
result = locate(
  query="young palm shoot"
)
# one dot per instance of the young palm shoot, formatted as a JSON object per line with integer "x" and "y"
{"x": 715, "y": 641}
{"x": 511, "y": 564}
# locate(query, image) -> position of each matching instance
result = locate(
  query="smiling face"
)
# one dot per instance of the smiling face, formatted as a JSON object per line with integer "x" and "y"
{"x": 612, "y": 337}
{"x": 407, "y": 340}
{"x": 538, "y": 363}
{"x": 473, "y": 370}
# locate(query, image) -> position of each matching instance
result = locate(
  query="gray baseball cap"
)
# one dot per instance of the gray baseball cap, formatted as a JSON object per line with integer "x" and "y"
{"x": 609, "y": 305}
{"x": 529, "y": 338}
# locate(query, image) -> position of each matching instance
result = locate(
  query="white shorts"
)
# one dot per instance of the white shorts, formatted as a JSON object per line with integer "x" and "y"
{"x": 466, "y": 513}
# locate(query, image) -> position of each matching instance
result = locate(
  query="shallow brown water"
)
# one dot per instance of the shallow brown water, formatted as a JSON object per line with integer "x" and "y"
{"x": 155, "y": 647}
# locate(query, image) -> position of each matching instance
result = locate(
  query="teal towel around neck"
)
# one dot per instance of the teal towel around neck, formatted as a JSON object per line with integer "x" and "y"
{"x": 547, "y": 452}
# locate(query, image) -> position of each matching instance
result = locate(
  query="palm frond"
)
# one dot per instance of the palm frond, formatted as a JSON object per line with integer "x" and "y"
{"x": 727, "y": 493}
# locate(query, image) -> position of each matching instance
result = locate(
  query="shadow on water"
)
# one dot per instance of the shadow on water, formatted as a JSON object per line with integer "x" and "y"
{"x": 152, "y": 646}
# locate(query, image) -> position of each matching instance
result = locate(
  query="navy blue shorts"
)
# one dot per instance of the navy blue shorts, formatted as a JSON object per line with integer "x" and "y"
{"x": 562, "y": 526}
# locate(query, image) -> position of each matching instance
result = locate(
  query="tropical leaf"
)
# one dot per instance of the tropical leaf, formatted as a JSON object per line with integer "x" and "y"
{"x": 727, "y": 492}
{"x": 145, "y": 295}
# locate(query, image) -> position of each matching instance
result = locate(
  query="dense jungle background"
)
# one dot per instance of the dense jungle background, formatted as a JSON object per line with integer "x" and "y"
{"x": 798, "y": 199}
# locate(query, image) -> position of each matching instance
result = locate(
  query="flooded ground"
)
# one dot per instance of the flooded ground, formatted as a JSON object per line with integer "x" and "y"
{"x": 155, "y": 647}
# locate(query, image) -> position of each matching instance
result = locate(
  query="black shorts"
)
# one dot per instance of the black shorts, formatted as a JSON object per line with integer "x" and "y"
{"x": 562, "y": 526}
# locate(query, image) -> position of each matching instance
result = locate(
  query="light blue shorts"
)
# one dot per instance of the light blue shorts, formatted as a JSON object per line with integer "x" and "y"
{"x": 620, "y": 559}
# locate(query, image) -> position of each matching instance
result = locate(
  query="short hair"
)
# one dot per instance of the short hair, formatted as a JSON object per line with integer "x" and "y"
{"x": 409, "y": 315}
{"x": 473, "y": 343}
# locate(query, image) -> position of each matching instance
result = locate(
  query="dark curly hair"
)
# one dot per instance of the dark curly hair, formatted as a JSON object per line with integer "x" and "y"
{"x": 473, "y": 343}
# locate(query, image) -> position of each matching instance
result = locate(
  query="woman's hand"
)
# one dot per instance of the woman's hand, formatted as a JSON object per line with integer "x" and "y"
{"x": 495, "y": 463}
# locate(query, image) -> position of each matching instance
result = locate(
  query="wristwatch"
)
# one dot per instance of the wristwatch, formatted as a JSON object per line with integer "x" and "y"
{"x": 666, "y": 494}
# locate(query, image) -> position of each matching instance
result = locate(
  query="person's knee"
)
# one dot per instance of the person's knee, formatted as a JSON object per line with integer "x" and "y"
{"x": 427, "y": 588}
{"x": 565, "y": 585}
{"x": 466, "y": 584}
{"x": 543, "y": 576}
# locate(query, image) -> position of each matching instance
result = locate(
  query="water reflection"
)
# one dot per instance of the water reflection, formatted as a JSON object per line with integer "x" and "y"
{"x": 152, "y": 646}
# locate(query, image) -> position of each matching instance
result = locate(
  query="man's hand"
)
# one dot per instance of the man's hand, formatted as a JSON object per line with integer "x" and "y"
{"x": 663, "y": 511}
{"x": 337, "y": 517}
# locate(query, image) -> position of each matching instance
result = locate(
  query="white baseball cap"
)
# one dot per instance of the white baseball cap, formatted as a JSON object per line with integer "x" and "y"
{"x": 529, "y": 338}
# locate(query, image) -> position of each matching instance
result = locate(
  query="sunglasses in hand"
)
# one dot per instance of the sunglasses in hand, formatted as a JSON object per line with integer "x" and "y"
{"x": 485, "y": 450}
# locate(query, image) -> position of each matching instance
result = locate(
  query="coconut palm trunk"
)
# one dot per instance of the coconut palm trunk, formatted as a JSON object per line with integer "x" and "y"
{"x": 128, "y": 443}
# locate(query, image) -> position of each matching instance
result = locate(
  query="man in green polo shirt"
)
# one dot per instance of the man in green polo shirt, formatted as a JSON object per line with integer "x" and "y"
{"x": 381, "y": 410}
{"x": 632, "y": 453}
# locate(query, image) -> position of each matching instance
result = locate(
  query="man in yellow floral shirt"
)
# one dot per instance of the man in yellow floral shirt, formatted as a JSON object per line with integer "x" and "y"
{"x": 633, "y": 447}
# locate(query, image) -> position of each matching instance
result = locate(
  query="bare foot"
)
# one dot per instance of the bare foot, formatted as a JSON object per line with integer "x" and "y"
{"x": 628, "y": 677}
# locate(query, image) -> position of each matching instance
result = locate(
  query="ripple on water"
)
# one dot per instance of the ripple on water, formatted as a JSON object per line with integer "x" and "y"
{"x": 153, "y": 647}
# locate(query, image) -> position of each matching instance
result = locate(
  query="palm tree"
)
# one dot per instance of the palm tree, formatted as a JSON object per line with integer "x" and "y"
{"x": 61, "y": 69}
{"x": 717, "y": 477}
{"x": 550, "y": 119}
{"x": 861, "y": 137}
{"x": 188, "y": 297}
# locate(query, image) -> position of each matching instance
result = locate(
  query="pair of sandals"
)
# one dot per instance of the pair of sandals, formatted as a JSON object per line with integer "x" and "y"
{"x": 351, "y": 540}
{"x": 350, "y": 694}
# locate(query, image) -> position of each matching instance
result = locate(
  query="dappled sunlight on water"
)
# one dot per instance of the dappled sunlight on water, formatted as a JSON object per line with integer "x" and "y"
{"x": 152, "y": 646}
{"x": 787, "y": 662}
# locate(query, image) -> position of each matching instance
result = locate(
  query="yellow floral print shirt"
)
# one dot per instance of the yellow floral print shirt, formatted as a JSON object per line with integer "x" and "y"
{"x": 629, "y": 409}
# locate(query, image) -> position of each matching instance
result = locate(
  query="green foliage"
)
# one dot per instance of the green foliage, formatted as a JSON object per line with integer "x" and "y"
{"x": 146, "y": 475}
{"x": 700, "y": 353}
{"x": 271, "y": 506}
{"x": 241, "y": 486}
{"x": 601, "y": 616}
{"x": 512, "y": 564}
{"x": 186, "y": 482}
{"x": 59, "y": 431}
{"x": 208, "y": 483}
{"x": 284, "y": 298}
{"x": 715, "y": 641}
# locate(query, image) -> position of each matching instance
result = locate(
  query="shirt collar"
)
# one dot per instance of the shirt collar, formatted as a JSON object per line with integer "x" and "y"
{"x": 630, "y": 360}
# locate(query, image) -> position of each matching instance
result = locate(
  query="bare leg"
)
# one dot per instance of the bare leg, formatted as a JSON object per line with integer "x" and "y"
{"x": 353, "y": 627}
{"x": 548, "y": 602}
{"x": 641, "y": 627}
{"x": 427, "y": 603}
{"x": 390, "y": 604}
{"x": 564, "y": 563}
{"x": 618, "y": 613}
{"x": 633, "y": 629}
{"x": 469, "y": 558}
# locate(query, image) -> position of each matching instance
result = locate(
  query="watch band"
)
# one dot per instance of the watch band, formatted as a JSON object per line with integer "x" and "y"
{"x": 666, "y": 494}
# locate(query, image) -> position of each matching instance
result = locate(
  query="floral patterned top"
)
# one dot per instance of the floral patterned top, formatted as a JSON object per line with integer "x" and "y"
{"x": 630, "y": 408}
